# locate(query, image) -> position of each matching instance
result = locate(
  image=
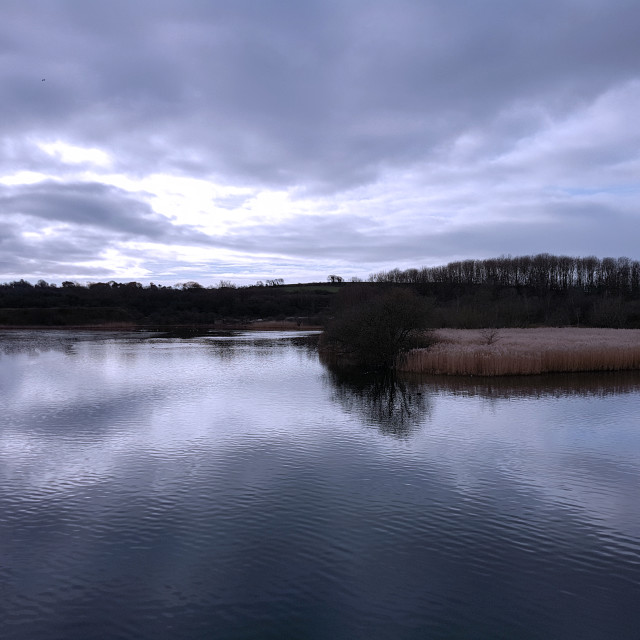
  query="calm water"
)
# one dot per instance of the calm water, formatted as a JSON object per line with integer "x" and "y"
{"x": 234, "y": 487}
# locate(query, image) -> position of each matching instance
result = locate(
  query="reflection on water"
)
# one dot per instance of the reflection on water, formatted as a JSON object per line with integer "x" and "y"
{"x": 232, "y": 486}
{"x": 555, "y": 385}
{"x": 33, "y": 343}
{"x": 395, "y": 405}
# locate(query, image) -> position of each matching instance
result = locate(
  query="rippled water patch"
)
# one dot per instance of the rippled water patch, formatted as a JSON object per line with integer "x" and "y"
{"x": 233, "y": 487}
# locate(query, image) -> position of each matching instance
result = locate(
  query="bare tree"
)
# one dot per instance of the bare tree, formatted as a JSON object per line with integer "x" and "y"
{"x": 490, "y": 336}
{"x": 374, "y": 331}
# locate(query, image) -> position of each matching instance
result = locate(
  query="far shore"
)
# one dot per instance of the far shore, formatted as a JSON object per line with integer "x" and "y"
{"x": 496, "y": 352}
{"x": 257, "y": 325}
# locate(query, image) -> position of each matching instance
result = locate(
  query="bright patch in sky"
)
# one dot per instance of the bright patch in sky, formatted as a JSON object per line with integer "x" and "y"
{"x": 22, "y": 177}
{"x": 71, "y": 154}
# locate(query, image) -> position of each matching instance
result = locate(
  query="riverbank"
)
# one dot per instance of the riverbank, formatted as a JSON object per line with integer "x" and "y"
{"x": 257, "y": 325}
{"x": 498, "y": 352}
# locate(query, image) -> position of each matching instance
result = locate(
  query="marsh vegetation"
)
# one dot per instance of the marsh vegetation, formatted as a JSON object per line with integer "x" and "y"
{"x": 526, "y": 351}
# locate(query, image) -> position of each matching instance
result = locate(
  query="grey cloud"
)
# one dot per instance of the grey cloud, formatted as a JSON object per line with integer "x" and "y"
{"x": 586, "y": 229}
{"x": 322, "y": 97}
{"x": 95, "y": 205}
{"x": 57, "y": 256}
{"x": 86, "y": 220}
{"x": 284, "y": 92}
{"x": 54, "y": 258}
{"x": 572, "y": 228}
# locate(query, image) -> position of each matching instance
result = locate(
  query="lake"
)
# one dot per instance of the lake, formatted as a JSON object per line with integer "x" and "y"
{"x": 234, "y": 486}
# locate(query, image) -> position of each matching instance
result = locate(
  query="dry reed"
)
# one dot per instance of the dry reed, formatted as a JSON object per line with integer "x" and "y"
{"x": 526, "y": 352}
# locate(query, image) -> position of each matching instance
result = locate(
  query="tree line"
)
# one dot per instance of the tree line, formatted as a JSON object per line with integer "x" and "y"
{"x": 540, "y": 290}
{"x": 22, "y": 303}
{"x": 541, "y": 272}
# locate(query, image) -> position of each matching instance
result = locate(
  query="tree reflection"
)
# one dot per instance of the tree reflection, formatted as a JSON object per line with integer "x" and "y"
{"x": 391, "y": 403}
{"x": 34, "y": 343}
{"x": 261, "y": 343}
{"x": 557, "y": 385}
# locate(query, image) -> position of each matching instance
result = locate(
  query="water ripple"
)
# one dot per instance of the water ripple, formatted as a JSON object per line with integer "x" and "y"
{"x": 188, "y": 489}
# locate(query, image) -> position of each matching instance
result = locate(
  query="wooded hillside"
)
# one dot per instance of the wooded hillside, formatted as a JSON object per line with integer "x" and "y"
{"x": 540, "y": 290}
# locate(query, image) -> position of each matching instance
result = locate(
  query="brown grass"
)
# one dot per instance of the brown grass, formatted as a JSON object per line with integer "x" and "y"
{"x": 526, "y": 352}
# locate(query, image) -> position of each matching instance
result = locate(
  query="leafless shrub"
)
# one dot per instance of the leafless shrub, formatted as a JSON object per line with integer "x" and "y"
{"x": 490, "y": 336}
{"x": 377, "y": 331}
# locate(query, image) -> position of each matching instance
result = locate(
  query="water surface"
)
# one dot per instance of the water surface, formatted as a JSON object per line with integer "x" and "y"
{"x": 235, "y": 487}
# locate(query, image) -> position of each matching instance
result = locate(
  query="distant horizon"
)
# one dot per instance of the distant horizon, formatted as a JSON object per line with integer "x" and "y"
{"x": 321, "y": 280}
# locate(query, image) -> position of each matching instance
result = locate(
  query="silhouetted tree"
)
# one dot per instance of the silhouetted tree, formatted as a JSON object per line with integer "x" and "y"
{"x": 374, "y": 331}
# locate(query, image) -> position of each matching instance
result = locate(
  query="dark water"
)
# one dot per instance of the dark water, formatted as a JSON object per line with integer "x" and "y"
{"x": 221, "y": 487}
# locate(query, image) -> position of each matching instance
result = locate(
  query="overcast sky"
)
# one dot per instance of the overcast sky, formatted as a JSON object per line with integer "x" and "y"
{"x": 165, "y": 141}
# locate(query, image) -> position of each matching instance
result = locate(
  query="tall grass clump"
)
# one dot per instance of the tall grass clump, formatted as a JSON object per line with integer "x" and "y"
{"x": 527, "y": 352}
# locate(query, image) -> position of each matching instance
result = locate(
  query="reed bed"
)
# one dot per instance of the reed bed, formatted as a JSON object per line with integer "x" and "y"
{"x": 526, "y": 352}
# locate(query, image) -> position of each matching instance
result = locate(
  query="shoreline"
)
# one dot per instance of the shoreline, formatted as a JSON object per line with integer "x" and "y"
{"x": 455, "y": 352}
{"x": 120, "y": 326}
